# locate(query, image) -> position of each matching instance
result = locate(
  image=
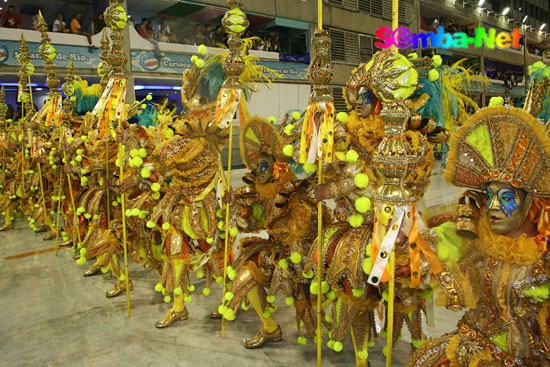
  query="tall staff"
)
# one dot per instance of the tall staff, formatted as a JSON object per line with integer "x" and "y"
{"x": 229, "y": 98}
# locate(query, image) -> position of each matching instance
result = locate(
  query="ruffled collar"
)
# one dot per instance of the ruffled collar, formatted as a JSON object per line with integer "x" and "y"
{"x": 522, "y": 250}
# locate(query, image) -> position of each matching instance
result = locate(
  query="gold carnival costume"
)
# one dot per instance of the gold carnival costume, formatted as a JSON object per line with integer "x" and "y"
{"x": 499, "y": 268}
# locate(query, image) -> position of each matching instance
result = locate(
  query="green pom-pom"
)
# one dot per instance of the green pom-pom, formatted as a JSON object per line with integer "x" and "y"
{"x": 245, "y": 307}
{"x": 135, "y": 212}
{"x": 272, "y": 119}
{"x": 296, "y": 258}
{"x": 83, "y": 252}
{"x": 288, "y": 150}
{"x": 231, "y": 274}
{"x": 167, "y": 299}
{"x": 283, "y": 264}
{"x": 310, "y": 167}
{"x": 270, "y": 299}
{"x": 496, "y": 101}
{"x": 87, "y": 215}
{"x": 342, "y": 117}
{"x": 83, "y": 171}
{"x": 206, "y": 291}
{"x": 363, "y": 354}
{"x": 158, "y": 287}
{"x": 187, "y": 299}
{"x": 417, "y": 343}
{"x": 266, "y": 314}
{"x": 361, "y": 180}
{"x": 314, "y": 288}
{"x": 166, "y": 226}
{"x": 233, "y": 232}
{"x": 363, "y": 204}
{"x": 302, "y": 340}
{"x": 330, "y": 344}
{"x": 199, "y": 63}
{"x": 358, "y": 292}
{"x": 142, "y": 152}
{"x": 70, "y": 140}
{"x": 96, "y": 217}
{"x": 296, "y": 115}
{"x": 79, "y": 151}
{"x": 155, "y": 195}
{"x": 200, "y": 274}
{"x": 308, "y": 275}
{"x": 325, "y": 287}
{"x": 114, "y": 203}
{"x": 150, "y": 224}
{"x": 142, "y": 214}
{"x": 352, "y": 156}
{"x": 128, "y": 212}
{"x": 219, "y": 213}
{"x": 289, "y": 301}
{"x": 222, "y": 308}
{"x": 433, "y": 75}
{"x": 155, "y": 187}
{"x": 341, "y": 156}
{"x": 117, "y": 162}
{"x": 81, "y": 261}
{"x": 104, "y": 270}
{"x": 228, "y": 296}
{"x": 437, "y": 60}
{"x": 219, "y": 280}
{"x": 178, "y": 291}
{"x": 202, "y": 50}
{"x": 367, "y": 265}
{"x": 288, "y": 129}
{"x": 133, "y": 153}
{"x": 209, "y": 240}
{"x": 338, "y": 346}
{"x": 138, "y": 162}
{"x": 191, "y": 288}
{"x": 385, "y": 295}
{"x": 356, "y": 220}
{"x": 229, "y": 315}
{"x": 221, "y": 225}
{"x": 194, "y": 58}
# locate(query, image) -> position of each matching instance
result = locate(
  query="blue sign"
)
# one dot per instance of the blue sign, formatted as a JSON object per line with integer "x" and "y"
{"x": 178, "y": 63}
{"x": 83, "y": 57}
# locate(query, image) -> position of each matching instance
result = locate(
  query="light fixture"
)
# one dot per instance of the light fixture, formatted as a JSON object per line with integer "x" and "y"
{"x": 481, "y": 2}
{"x": 506, "y": 11}
{"x": 524, "y": 18}
{"x": 542, "y": 26}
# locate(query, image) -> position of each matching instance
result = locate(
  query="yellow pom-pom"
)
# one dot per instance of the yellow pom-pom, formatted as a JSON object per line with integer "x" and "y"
{"x": 199, "y": 63}
{"x": 288, "y": 150}
{"x": 149, "y": 97}
{"x": 158, "y": 287}
{"x": 167, "y": 299}
{"x": 266, "y": 314}
{"x": 358, "y": 292}
{"x": 178, "y": 291}
{"x": 363, "y": 354}
{"x": 233, "y": 232}
{"x": 81, "y": 261}
{"x": 194, "y": 58}
{"x": 385, "y": 351}
{"x": 413, "y": 56}
{"x": 221, "y": 225}
{"x": 356, "y": 220}
{"x": 83, "y": 252}
{"x": 338, "y": 346}
{"x": 228, "y": 296}
{"x": 229, "y": 315}
{"x": 155, "y": 195}
{"x": 302, "y": 340}
{"x": 296, "y": 115}
{"x": 437, "y": 60}
{"x": 133, "y": 153}
{"x": 361, "y": 180}
{"x": 135, "y": 212}
{"x": 433, "y": 75}
{"x": 328, "y": 318}
{"x": 341, "y": 156}
{"x": 289, "y": 128}
{"x": 142, "y": 214}
{"x": 168, "y": 133}
{"x": 122, "y": 277}
{"x": 104, "y": 270}
{"x": 137, "y": 161}
{"x": 203, "y": 50}
{"x": 142, "y": 153}
{"x": 330, "y": 344}
{"x": 270, "y": 299}
{"x": 87, "y": 215}
{"x": 496, "y": 101}
{"x": 367, "y": 265}
{"x": 206, "y": 291}
{"x": 283, "y": 264}
{"x": 308, "y": 275}
{"x": 272, "y": 119}
{"x": 314, "y": 288}
{"x": 325, "y": 287}
{"x": 219, "y": 280}
{"x": 371, "y": 343}
{"x": 385, "y": 295}
{"x": 417, "y": 343}
{"x": 352, "y": 156}
{"x": 150, "y": 224}
{"x": 166, "y": 226}
{"x": 310, "y": 167}
{"x": 331, "y": 294}
{"x": 289, "y": 301}
{"x": 296, "y": 258}
{"x": 84, "y": 138}
{"x": 244, "y": 307}
{"x": 363, "y": 204}
{"x": 155, "y": 187}
{"x": 70, "y": 140}
{"x": 342, "y": 117}
{"x": 187, "y": 299}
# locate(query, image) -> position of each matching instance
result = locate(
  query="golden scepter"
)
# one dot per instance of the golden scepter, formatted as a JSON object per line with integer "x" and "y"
{"x": 234, "y": 23}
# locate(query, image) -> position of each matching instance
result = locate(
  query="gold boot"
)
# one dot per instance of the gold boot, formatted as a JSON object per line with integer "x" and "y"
{"x": 119, "y": 287}
{"x": 171, "y": 317}
{"x": 42, "y": 228}
{"x": 215, "y": 315}
{"x": 6, "y": 227}
{"x": 94, "y": 269}
{"x": 49, "y": 236}
{"x": 262, "y": 337}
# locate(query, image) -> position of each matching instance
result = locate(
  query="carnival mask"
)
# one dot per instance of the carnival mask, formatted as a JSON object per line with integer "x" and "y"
{"x": 365, "y": 104}
{"x": 264, "y": 170}
{"x": 507, "y": 207}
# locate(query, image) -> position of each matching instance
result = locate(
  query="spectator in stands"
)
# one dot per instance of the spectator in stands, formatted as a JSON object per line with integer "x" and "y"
{"x": 201, "y": 38}
{"x": 59, "y": 24}
{"x": 131, "y": 20}
{"x": 435, "y": 23}
{"x": 99, "y": 23}
{"x": 260, "y": 44}
{"x": 76, "y": 28}
{"x": 276, "y": 44}
{"x": 268, "y": 44}
{"x": 164, "y": 34}
{"x": 11, "y": 19}
{"x": 145, "y": 30}
{"x": 140, "y": 28}
{"x": 149, "y": 31}
{"x": 218, "y": 36}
